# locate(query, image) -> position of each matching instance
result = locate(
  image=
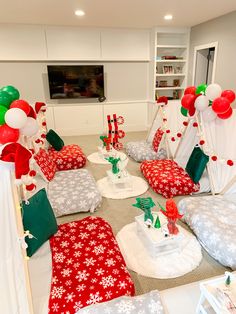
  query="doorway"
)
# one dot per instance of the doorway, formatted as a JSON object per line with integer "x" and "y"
{"x": 204, "y": 64}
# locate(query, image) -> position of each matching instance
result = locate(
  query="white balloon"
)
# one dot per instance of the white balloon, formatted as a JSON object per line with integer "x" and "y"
{"x": 15, "y": 118}
{"x": 30, "y": 128}
{"x": 201, "y": 103}
{"x": 213, "y": 91}
{"x": 209, "y": 115}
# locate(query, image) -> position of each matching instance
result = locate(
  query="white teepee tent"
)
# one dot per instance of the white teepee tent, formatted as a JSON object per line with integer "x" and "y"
{"x": 168, "y": 117}
{"x": 14, "y": 283}
{"x": 219, "y": 142}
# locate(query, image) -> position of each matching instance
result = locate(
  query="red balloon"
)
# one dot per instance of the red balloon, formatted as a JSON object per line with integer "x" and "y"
{"x": 32, "y": 113}
{"x": 229, "y": 94}
{"x": 21, "y": 104}
{"x": 190, "y": 90}
{"x": 8, "y": 134}
{"x": 226, "y": 114}
{"x": 188, "y": 100}
{"x": 192, "y": 110}
{"x": 220, "y": 105}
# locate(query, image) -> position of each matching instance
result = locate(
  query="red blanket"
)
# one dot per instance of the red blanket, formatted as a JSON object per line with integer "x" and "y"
{"x": 87, "y": 266}
{"x": 166, "y": 177}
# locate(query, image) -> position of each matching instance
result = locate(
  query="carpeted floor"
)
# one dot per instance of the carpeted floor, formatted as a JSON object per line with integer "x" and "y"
{"x": 121, "y": 212}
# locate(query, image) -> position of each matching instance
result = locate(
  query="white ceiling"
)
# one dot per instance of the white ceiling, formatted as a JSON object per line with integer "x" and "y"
{"x": 114, "y": 13}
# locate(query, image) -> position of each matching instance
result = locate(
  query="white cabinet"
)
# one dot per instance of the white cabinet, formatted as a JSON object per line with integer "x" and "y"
{"x": 170, "y": 59}
{"x": 130, "y": 45}
{"x": 22, "y": 42}
{"x": 73, "y": 43}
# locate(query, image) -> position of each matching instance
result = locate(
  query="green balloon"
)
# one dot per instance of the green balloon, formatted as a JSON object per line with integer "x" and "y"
{"x": 12, "y": 91}
{"x": 201, "y": 89}
{"x": 3, "y": 111}
{"x": 5, "y": 99}
{"x": 184, "y": 111}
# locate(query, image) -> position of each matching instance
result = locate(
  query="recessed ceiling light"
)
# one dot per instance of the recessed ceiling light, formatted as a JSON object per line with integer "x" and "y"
{"x": 168, "y": 17}
{"x": 79, "y": 13}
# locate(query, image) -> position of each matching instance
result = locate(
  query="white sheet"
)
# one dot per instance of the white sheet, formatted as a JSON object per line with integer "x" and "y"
{"x": 40, "y": 269}
{"x": 13, "y": 297}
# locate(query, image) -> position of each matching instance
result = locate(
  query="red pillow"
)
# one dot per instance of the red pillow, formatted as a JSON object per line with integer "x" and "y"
{"x": 157, "y": 139}
{"x": 46, "y": 164}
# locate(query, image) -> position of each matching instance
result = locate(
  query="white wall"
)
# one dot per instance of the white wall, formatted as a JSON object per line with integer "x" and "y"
{"x": 223, "y": 30}
{"x": 126, "y": 72}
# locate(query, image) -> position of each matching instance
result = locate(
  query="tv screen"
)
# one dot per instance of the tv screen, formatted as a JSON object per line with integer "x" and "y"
{"x": 76, "y": 81}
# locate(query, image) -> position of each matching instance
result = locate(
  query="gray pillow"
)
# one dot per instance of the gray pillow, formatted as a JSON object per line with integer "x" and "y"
{"x": 149, "y": 303}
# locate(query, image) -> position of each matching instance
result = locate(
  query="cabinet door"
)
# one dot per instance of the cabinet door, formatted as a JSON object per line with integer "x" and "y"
{"x": 22, "y": 42}
{"x": 119, "y": 44}
{"x": 73, "y": 43}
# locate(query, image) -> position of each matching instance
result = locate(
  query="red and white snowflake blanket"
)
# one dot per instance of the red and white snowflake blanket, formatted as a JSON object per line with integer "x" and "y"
{"x": 87, "y": 266}
{"x": 167, "y": 178}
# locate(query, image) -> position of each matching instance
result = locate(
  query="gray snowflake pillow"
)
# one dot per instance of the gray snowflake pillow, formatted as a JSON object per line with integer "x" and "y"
{"x": 149, "y": 303}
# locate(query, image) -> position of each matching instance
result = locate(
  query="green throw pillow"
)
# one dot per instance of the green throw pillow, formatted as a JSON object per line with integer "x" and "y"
{"x": 54, "y": 139}
{"x": 39, "y": 219}
{"x": 197, "y": 164}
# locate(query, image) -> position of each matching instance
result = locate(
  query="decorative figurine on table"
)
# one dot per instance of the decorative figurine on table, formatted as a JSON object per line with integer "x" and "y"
{"x": 114, "y": 134}
{"x": 172, "y": 214}
{"x": 114, "y": 162}
{"x": 106, "y": 141}
{"x": 146, "y": 205}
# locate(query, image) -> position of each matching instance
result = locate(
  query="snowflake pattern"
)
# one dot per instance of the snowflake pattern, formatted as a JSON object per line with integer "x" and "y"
{"x": 213, "y": 220}
{"x": 149, "y": 303}
{"x": 162, "y": 176}
{"x": 142, "y": 150}
{"x": 61, "y": 190}
{"x": 46, "y": 164}
{"x": 68, "y": 158}
{"x": 157, "y": 139}
{"x": 86, "y": 280}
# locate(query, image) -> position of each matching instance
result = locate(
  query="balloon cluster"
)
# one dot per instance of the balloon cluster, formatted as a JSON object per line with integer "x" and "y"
{"x": 210, "y": 100}
{"x": 17, "y": 117}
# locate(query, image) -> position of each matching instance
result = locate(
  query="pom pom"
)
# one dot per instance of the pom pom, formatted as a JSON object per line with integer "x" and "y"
{"x": 30, "y": 187}
{"x": 195, "y": 124}
{"x": 167, "y": 131}
{"x": 32, "y": 173}
{"x": 179, "y": 134}
{"x": 214, "y": 158}
{"x": 37, "y": 141}
{"x": 44, "y": 123}
{"x": 18, "y": 181}
{"x": 164, "y": 119}
{"x": 173, "y": 139}
{"x": 185, "y": 123}
{"x": 43, "y": 135}
{"x": 230, "y": 162}
{"x": 202, "y": 142}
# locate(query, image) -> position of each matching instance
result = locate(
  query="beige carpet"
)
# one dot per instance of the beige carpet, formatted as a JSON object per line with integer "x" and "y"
{"x": 121, "y": 212}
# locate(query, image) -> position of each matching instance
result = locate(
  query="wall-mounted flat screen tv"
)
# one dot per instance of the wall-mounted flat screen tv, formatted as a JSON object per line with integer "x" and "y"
{"x": 76, "y": 81}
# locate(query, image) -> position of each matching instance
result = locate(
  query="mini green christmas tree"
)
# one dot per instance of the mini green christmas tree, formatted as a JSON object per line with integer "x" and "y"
{"x": 146, "y": 204}
{"x": 114, "y": 162}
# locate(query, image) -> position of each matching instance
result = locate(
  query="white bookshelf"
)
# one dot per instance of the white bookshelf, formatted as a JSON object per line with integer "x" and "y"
{"x": 169, "y": 62}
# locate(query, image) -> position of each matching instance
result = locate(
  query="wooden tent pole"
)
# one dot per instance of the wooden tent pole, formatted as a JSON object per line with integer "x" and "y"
{"x": 153, "y": 120}
{"x": 228, "y": 185}
{"x": 20, "y": 229}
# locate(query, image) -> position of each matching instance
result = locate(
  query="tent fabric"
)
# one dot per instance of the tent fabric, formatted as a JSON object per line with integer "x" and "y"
{"x": 12, "y": 277}
{"x": 218, "y": 142}
{"x": 174, "y": 122}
